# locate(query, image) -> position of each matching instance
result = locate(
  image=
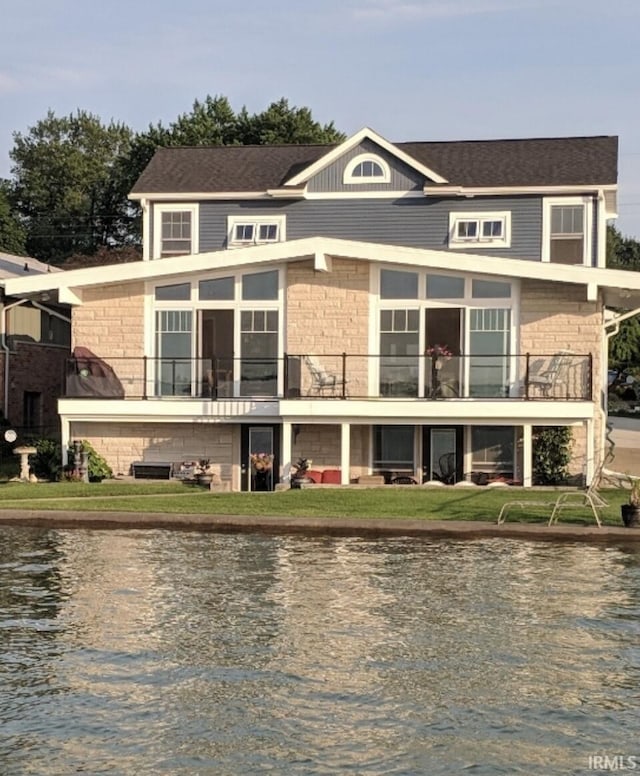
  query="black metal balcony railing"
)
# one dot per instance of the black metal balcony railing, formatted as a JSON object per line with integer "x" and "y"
{"x": 342, "y": 376}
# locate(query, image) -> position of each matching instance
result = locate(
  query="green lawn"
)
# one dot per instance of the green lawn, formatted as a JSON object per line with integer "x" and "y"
{"x": 410, "y": 502}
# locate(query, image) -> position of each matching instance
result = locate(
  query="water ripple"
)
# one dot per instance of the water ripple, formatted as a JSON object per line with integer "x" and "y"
{"x": 150, "y": 652}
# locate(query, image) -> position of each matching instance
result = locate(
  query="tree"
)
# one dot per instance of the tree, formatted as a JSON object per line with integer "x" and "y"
{"x": 72, "y": 174}
{"x": 624, "y": 253}
{"x": 12, "y": 232}
{"x": 64, "y": 188}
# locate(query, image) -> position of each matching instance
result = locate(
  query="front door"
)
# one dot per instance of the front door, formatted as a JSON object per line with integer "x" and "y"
{"x": 260, "y": 450}
{"x": 442, "y": 454}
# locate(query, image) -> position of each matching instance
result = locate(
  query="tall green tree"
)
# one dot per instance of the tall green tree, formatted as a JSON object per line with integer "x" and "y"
{"x": 12, "y": 232}
{"x": 72, "y": 174}
{"x": 64, "y": 189}
{"x": 624, "y": 253}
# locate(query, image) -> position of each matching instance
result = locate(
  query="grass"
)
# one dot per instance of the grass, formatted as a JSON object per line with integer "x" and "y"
{"x": 411, "y": 502}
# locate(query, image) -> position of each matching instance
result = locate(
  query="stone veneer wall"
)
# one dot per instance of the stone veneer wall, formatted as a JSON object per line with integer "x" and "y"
{"x": 343, "y": 294}
{"x": 123, "y": 443}
{"x": 559, "y": 317}
{"x": 321, "y": 443}
{"x": 110, "y": 323}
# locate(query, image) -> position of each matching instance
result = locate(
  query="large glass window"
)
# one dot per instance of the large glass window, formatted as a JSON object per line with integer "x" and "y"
{"x": 260, "y": 285}
{"x": 489, "y": 339}
{"x": 398, "y": 285}
{"x": 492, "y": 449}
{"x": 394, "y": 448}
{"x": 445, "y": 287}
{"x": 399, "y": 347}
{"x": 173, "y": 350}
{"x": 176, "y": 292}
{"x": 259, "y": 352}
{"x": 220, "y": 288}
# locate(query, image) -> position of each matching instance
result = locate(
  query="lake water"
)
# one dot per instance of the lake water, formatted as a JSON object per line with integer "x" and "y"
{"x": 151, "y": 652}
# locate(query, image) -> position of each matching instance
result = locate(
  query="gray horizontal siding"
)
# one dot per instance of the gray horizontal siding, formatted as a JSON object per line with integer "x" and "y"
{"x": 403, "y": 177}
{"x": 416, "y": 222}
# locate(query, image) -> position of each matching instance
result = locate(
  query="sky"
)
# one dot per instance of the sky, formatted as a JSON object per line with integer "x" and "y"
{"x": 409, "y": 69}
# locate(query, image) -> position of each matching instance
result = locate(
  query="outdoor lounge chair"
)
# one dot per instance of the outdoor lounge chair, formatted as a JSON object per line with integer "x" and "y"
{"x": 568, "y": 500}
{"x": 322, "y": 381}
{"x": 554, "y": 374}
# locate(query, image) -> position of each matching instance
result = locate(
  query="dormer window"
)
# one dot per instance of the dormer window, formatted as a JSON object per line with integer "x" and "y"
{"x": 255, "y": 230}
{"x": 367, "y": 168}
{"x": 468, "y": 230}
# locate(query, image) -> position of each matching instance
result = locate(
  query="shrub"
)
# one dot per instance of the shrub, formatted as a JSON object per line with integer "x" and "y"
{"x": 551, "y": 455}
{"x": 46, "y": 464}
{"x": 97, "y": 467}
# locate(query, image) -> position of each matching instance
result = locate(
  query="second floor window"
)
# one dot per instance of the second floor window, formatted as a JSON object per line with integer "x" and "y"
{"x": 566, "y": 244}
{"x": 175, "y": 230}
{"x": 469, "y": 229}
{"x": 176, "y": 233}
{"x": 255, "y": 230}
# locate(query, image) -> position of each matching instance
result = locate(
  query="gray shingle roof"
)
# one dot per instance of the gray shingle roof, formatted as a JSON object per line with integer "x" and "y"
{"x": 530, "y": 162}
{"x": 12, "y": 266}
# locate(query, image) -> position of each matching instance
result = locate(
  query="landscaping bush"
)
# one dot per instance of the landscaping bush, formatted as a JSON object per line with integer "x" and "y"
{"x": 551, "y": 455}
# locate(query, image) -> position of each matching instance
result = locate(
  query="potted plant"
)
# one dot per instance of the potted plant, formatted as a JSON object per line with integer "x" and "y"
{"x": 204, "y": 472}
{"x": 631, "y": 510}
{"x": 299, "y": 476}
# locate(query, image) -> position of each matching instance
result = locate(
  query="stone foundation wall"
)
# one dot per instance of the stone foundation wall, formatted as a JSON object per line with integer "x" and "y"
{"x": 123, "y": 443}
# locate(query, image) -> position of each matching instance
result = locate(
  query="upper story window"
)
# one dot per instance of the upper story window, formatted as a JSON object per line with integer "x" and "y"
{"x": 367, "y": 168}
{"x": 468, "y": 230}
{"x": 566, "y": 226}
{"x": 175, "y": 230}
{"x": 255, "y": 230}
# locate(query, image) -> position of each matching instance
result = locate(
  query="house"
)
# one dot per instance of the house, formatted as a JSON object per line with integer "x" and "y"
{"x": 384, "y": 309}
{"x": 35, "y": 339}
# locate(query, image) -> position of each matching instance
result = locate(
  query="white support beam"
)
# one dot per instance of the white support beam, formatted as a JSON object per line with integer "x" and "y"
{"x": 321, "y": 262}
{"x": 345, "y": 453}
{"x": 65, "y": 441}
{"x": 527, "y": 456}
{"x": 285, "y": 463}
{"x": 589, "y": 464}
{"x": 70, "y": 296}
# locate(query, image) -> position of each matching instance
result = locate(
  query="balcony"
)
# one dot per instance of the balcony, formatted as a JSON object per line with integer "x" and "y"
{"x": 524, "y": 377}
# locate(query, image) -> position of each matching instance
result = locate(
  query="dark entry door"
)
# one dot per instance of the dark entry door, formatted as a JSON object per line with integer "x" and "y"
{"x": 442, "y": 454}
{"x": 260, "y": 451}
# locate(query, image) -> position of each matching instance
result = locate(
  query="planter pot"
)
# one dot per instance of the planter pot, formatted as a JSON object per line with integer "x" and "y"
{"x": 630, "y": 515}
{"x": 204, "y": 479}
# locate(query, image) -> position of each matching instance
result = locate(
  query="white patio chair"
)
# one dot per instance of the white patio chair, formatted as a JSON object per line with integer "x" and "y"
{"x": 554, "y": 374}
{"x": 323, "y": 381}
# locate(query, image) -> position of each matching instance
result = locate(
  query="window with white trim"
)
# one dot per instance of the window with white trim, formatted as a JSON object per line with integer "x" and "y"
{"x": 255, "y": 230}
{"x": 566, "y": 228}
{"x": 367, "y": 168}
{"x": 175, "y": 231}
{"x": 468, "y": 230}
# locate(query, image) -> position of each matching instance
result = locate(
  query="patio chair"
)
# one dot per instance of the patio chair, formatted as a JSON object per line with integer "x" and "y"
{"x": 569, "y": 500}
{"x": 323, "y": 381}
{"x": 547, "y": 378}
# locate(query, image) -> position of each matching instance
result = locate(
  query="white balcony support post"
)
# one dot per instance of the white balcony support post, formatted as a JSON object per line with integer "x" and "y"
{"x": 589, "y": 467}
{"x": 64, "y": 439}
{"x": 285, "y": 463}
{"x": 345, "y": 453}
{"x": 527, "y": 456}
